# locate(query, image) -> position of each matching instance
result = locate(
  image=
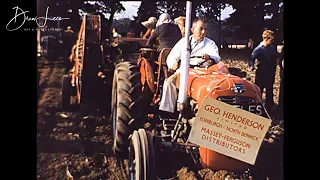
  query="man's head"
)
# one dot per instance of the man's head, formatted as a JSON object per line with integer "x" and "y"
{"x": 181, "y": 20}
{"x": 268, "y": 37}
{"x": 151, "y": 23}
{"x": 164, "y": 18}
{"x": 199, "y": 29}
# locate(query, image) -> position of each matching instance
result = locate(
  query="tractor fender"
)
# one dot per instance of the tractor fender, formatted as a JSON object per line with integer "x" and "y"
{"x": 146, "y": 73}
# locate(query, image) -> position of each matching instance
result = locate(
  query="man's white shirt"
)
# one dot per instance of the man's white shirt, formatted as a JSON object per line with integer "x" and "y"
{"x": 206, "y": 46}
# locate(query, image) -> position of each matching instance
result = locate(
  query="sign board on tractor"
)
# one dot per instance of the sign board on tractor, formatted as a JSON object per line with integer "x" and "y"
{"x": 229, "y": 130}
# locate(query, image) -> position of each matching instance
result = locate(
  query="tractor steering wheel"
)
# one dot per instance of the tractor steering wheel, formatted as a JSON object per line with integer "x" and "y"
{"x": 203, "y": 64}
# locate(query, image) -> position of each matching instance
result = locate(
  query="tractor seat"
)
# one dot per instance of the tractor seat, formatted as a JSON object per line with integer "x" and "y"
{"x": 162, "y": 72}
{"x": 162, "y": 59}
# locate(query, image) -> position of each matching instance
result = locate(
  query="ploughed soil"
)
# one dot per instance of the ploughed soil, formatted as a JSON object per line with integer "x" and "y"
{"x": 81, "y": 149}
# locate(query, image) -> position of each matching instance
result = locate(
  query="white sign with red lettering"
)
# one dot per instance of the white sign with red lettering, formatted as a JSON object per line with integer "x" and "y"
{"x": 229, "y": 130}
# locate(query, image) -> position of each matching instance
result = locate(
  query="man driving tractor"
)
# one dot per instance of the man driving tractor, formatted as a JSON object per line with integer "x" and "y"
{"x": 202, "y": 51}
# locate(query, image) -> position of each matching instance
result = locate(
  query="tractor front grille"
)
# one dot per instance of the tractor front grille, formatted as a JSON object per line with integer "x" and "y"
{"x": 236, "y": 100}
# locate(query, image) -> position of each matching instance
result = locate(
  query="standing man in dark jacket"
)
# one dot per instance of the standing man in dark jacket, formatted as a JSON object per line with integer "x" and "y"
{"x": 166, "y": 31}
{"x": 266, "y": 54}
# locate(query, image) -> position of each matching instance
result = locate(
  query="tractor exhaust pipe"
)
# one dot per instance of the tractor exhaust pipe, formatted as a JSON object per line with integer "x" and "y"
{"x": 185, "y": 59}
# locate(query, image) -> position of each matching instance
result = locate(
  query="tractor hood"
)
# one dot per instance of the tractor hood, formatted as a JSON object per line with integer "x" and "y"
{"x": 216, "y": 81}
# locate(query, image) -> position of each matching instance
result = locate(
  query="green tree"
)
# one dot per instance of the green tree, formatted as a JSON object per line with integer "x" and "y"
{"x": 250, "y": 17}
{"x": 174, "y": 8}
{"x": 106, "y": 9}
{"x": 148, "y": 8}
{"x": 74, "y": 9}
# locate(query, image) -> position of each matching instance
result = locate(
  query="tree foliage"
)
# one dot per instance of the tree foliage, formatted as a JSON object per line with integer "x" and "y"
{"x": 248, "y": 18}
{"x": 106, "y": 9}
{"x": 148, "y": 8}
{"x": 174, "y": 8}
{"x": 210, "y": 11}
{"x": 73, "y": 8}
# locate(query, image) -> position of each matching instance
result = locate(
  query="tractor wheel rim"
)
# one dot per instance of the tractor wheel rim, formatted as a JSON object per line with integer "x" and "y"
{"x": 132, "y": 162}
{"x": 114, "y": 119}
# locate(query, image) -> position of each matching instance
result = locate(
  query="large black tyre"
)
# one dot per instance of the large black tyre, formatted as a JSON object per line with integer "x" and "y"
{"x": 152, "y": 161}
{"x": 66, "y": 92}
{"x": 147, "y": 153}
{"x": 135, "y": 161}
{"x": 127, "y": 105}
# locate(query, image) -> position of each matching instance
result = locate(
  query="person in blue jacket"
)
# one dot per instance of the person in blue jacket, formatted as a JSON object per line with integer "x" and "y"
{"x": 266, "y": 54}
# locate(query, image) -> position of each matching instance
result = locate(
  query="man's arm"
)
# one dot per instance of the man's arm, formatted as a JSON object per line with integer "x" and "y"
{"x": 175, "y": 54}
{"x": 253, "y": 57}
{"x": 213, "y": 51}
{"x": 153, "y": 37}
{"x": 147, "y": 33}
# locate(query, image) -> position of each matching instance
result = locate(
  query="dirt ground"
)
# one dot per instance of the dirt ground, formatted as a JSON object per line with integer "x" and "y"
{"x": 74, "y": 149}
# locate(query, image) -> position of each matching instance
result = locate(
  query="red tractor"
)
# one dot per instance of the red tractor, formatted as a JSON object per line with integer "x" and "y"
{"x": 141, "y": 131}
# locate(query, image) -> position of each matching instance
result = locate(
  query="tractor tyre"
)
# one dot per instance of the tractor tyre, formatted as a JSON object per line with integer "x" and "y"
{"x": 147, "y": 151}
{"x": 135, "y": 161}
{"x": 152, "y": 162}
{"x": 127, "y": 105}
{"x": 66, "y": 92}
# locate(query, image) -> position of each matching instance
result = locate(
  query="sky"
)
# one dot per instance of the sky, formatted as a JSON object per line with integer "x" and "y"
{"x": 132, "y": 8}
